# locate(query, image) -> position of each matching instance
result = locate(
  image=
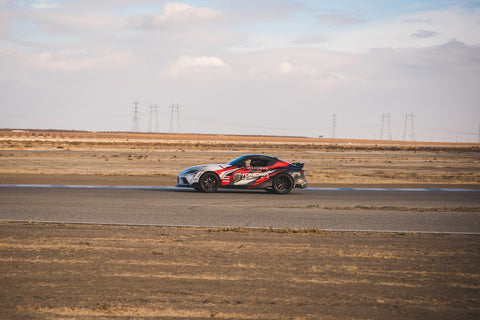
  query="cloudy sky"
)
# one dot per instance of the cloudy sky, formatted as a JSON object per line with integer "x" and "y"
{"x": 279, "y": 67}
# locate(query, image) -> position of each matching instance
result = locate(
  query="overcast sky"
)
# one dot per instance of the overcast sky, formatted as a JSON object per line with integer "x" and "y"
{"x": 279, "y": 67}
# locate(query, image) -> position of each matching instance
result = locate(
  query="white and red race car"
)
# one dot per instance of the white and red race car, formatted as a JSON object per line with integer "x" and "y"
{"x": 247, "y": 172}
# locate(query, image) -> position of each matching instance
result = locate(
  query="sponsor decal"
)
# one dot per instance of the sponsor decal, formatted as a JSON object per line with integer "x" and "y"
{"x": 237, "y": 177}
{"x": 254, "y": 175}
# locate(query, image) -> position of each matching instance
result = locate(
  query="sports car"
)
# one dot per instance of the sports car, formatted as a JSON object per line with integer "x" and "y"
{"x": 251, "y": 171}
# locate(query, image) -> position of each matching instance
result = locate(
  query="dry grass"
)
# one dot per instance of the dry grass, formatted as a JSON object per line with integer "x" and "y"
{"x": 393, "y": 208}
{"x": 126, "y": 140}
{"x": 163, "y": 155}
{"x": 98, "y": 272}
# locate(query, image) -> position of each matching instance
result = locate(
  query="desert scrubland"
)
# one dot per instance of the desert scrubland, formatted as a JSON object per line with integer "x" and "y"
{"x": 156, "y": 158}
{"x": 67, "y": 271}
{"x": 62, "y": 271}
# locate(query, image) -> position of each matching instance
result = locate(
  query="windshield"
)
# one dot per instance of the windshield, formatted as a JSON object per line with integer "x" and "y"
{"x": 235, "y": 161}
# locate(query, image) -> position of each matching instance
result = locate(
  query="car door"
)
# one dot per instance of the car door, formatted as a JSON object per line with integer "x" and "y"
{"x": 255, "y": 169}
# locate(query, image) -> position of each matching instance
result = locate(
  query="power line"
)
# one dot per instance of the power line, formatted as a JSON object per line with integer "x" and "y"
{"x": 21, "y": 116}
{"x": 241, "y": 125}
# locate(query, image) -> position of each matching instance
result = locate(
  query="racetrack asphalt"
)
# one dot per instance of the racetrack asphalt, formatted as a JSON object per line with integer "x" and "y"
{"x": 327, "y": 209}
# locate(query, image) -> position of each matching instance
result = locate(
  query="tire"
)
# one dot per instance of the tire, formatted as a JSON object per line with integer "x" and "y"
{"x": 209, "y": 182}
{"x": 282, "y": 184}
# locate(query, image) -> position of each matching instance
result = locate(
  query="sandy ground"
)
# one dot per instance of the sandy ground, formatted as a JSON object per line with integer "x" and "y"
{"x": 62, "y": 271}
{"x": 51, "y": 271}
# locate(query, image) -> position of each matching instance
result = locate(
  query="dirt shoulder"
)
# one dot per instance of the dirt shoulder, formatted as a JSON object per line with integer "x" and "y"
{"x": 52, "y": 271}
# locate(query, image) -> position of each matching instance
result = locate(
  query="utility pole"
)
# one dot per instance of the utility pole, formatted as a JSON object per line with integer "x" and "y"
{"x": 334, "y": 124}
{"x": 135, "y": 117}
{"x": 386, "y": 116}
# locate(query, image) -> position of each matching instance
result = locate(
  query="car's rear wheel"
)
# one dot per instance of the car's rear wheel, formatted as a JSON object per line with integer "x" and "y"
{"x": 282, "y": 184}
{"x": 209, "y": 182}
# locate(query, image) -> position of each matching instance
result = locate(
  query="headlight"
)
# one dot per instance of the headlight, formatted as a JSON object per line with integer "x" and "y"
{"x": 190, "y": 171}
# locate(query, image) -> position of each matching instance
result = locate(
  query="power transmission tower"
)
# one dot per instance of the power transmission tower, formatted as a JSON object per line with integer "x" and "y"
{"x": 386, "y": 116}
{"x": 157, "y": 124}
{"x": 153, "y": 114}
{"x": 135, "y": 117}
{"x": 409, "y": 118}
{"x": 412, "y": 133}
{"x": 179, "y": 124}
{"x": 334, "y": 124}
{"x": 170, "y": 110}
{"x": 174, "y": 110}
{"x": 150, "y": 116}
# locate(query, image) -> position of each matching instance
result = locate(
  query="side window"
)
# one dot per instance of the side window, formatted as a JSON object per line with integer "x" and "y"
{"x": 270, "y": 163}
{"x": 248, "y": 163}
{"x": 255, "y": 162}
{"x": 264, "y": 163}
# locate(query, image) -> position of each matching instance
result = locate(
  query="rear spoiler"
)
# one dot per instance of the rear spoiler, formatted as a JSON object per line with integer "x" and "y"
{"x": 299, "y": 164}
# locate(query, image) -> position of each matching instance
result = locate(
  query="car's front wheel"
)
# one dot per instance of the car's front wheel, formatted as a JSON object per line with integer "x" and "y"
{"x": 282, "y": 184}
{"x": 209, "y": 182}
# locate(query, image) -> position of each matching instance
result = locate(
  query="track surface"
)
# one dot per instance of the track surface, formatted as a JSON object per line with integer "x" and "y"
{"x": 183, "y": 207}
